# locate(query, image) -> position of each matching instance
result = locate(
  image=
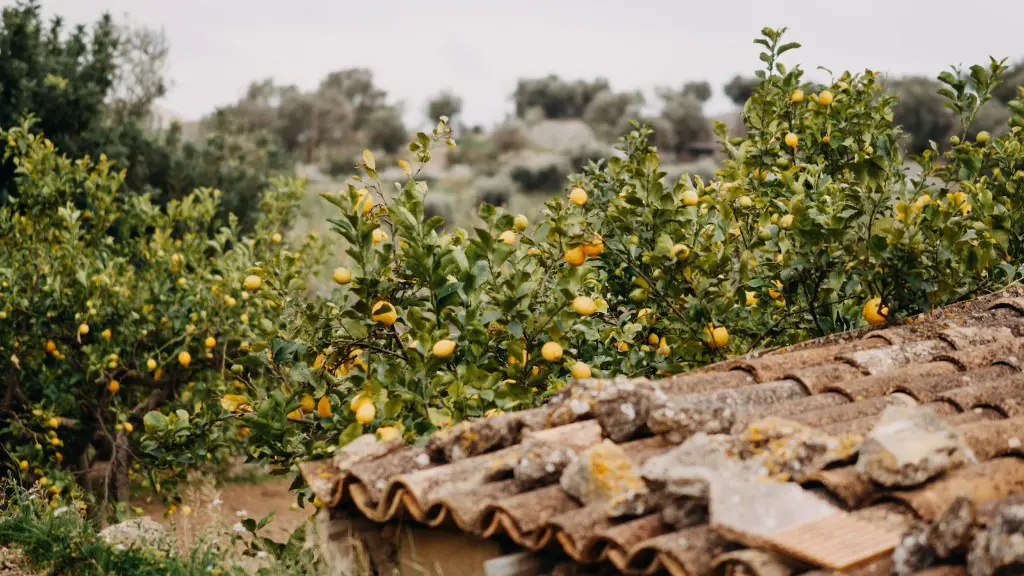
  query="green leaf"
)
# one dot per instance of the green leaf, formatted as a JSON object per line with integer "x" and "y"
{"x": 154, "y": 421}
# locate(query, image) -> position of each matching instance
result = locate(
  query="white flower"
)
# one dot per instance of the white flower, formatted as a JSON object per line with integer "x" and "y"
{"x": 261, "y": 554}
{"x": 242, "y": 513}
{"x": 238, "y": 527}
{"x": 119, "y": 547}
{"x": 60, "y": 510}
{"x": 216, "y": 502}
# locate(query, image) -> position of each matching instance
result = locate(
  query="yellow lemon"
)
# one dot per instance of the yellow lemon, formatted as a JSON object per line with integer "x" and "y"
{"x": 366, "y": 413}
{"x": 341, "y": 275}
{"x": 718, "y": 336}
{"x": 786, "y": 222}
{"x": 520, "y": 223}
{"x": 53, "y": 422}
{"x": 151, "y": 364}
{"x": 584, "y": 305}
{"x": 306, "y": 404}
{"x": 680, "y": 251}
{"x": 23, "y": 465}
{"x": 578, "y": 196}
{"x": 384, "y": 313}
{"x": 128, "y": 427}
{"x": 792, "y": 140}
{"x": 252, "y": 283}
{"x": 387, "y": 433}
{"x": 982, "y": 137}
{"x": 594, "y": 248}
{"x": 825, "y": 98}
{"x": 379, "y": 235}
{"x": 508, "y": 237}
{"x": 364, "y": 202}
{"x": 113, "y": 386}
{"x": 106, "y": 334}
{"x": 580, "y": 370}
{"x": 443, "y": 348}
{"x": 323, "y": 408}
{"x": 874, "y": 312}
{"x": 797, "y": 96}
{"x": 751, "y": 298}
{"x": 184, "y": 358}
{"x": 690, "y": 198}
{"x": 295, "y": 415}
{"x": 744, "y": 201}
{"x": 83, "y": 329}
{"x": 357, "y": 402}
{"x": 551, "y": 351}
{"x": 210, "y": 342}
{"x": 825, "y": 139}
{"x": 575, "y": 256}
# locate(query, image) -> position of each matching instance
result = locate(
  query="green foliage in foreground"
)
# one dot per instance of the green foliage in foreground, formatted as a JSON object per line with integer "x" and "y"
{"x": 56, "y": 537}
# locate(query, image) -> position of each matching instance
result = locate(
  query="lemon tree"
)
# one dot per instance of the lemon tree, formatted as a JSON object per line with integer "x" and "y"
{"x": 112, "y": 307}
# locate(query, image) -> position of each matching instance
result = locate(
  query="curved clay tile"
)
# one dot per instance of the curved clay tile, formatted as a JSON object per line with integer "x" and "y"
{"x": 930, "y": 389}
{"x": 521, "y": 516}
{"x": 984, "y": 393}
{"x": 889, "y": 358}
{"x": 685, "y": 552}
{"x": 880, "y": 384}
{"x": 971, "y": 416}
{"x": 1015, "y": 304}
{"x": 980, "y": 356}
{"x": 754, "y": 562}
{"x": 853, "y": 410}
{"x": 980, "y": 483}
{"x": 776, "y": 366}
{"x": 790, "y": 408}
{"x": 989, "y": 439}
{"x": 963, "y": 337}
{"x": 816, "y": 378}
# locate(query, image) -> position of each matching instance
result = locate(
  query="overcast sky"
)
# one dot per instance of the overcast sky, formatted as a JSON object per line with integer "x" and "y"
{"x": 478, "y": 48}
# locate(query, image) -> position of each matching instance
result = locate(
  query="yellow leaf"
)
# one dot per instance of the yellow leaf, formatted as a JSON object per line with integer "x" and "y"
{"x": 405, "y": 167}
{"x": 235, "y": 403}
{"x": 368, "y": 159}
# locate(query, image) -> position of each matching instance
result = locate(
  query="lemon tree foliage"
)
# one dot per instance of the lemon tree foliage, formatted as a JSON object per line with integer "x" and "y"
{"x": 111, "y": 306}
{"x": 815, "y": 223}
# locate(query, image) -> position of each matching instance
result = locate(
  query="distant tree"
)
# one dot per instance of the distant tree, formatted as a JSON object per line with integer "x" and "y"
{"x": 63, "y": 79}
{"x": 92, "y": 91}
{"x": 385, "y": 129}
{"x": 740, "y": 88}
{"x": 444, "y": 104}
{"x": 352, "y": 89}
{"x": 921, "y": 112}
{"x": 699, "y": 90}
{"x": 664, "y": 137}
{"x": 1012, "y": 79}
{"x": 993, "y": 117}
{"x": 685, "y": 114}
{"x": 510, "y": 135}
{"x": 609, "y": 112}
{"x": 558, "y": 98}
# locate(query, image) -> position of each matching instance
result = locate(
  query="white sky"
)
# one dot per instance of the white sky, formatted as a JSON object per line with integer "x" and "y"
{"x": 479, "y": 48}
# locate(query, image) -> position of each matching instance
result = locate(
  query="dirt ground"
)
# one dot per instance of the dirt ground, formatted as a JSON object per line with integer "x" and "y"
{"x": 220, "y": 508}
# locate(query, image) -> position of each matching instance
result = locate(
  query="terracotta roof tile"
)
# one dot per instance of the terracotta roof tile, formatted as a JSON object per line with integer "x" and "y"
{"x": 961, "y": 361}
